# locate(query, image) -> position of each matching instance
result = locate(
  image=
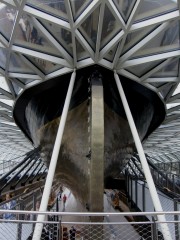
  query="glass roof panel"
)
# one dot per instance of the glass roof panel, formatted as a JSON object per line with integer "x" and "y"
{"x": 7, "y": 18}
{"x": 56, "y": 8}
{"x": 32, "y": 38}
{"x": 166, "y": 89}
{"x": 134, "y": 37}
{"x": 17, "y": 65}
{"x": 177, "y": 90}
{"x": 63, "y": 36}
{"x": 110, "y": 27}
{"x": 142, "y": 69}
{"x": 8, "y": 102}
{"x": 3, "y": 84}
{"x": 171, "y": 105}
{"x": 45, "y": 66}
{"x": 89, "y": 27}
{"x": 165, "y": 41}
{"x": 3, "y": 54}
{"x": 155, "y": 8}
{"x": 17, "y": 89}
{"x": 81, "y": 53}
{"x": 111, "y": 54}
{"x": 171, "y": 70}
{"x": 78, "y": 6}
{"x": 125, "y": 7}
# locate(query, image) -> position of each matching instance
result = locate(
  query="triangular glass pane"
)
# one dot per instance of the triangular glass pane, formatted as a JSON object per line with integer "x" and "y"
{"x": 29, "y": 36}
{"x": 3, "y": 84}
{"x": 7, "y": 19}
{"x": 25, "y": 81}
{"x": 3, "y": 56}
{"x": 56, "y": 8}
{"x": 166, "y": 89}
{"x": 125, "y": 7}
{"x": 168, "y": 37}
{"x": 110, "y": 27}
{"x": 8, "y": 102}
{"x": 78, "y": 7}
{"x": 111, "y": 54}
{"x": 17, "y": 65}
{"x": 81, "y": 52}
{"x": 142, "y": 69}
{"x": 62, "y": 35}
{"x": 177, "y": 90}
{"x": 45, "y": 66}
{"x": 149, "y": 9}
{"x": 16, "y": 87}
{"x": 171, "y": 70}
{"x": 133, "y": 38}
{"x": 89, "y": 28}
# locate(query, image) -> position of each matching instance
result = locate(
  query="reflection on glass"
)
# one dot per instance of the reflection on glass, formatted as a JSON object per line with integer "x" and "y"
{"x": 171, "y": 35}
{"x": 3, "y": 55}
{"x": 17, "y": 65}
{"x": 111, "y": 54}
{"x": 54, "y": 7}
{"x": 165, "y": 41}
{"x": 63, "y": 36}
{"x": 110, "y": 27}
{"x": 136, "y": 36}
{"x": 78, "y": 6}
{"x": 125, "y": 7}
{"x": 29, "y": 33}
{"x": 7, "y": 17}
{"x": 171, "y": 70}
{"x": 45, "y": 66}
{"x": 81, "y": 53}
{"x": 29, "y": 36}
{"x": 166, "y": 89}
{"x": 3, "y": 84}
{"x": 150, "y": 8}
{"x": 142, "y": 69}
{"x": 89, "y": 28}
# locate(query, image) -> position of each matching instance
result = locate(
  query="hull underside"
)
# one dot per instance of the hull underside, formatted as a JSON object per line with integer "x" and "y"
{"x": 43, "y": 113}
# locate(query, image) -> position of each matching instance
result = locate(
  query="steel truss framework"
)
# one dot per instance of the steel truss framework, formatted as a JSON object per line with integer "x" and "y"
{"x": 42, "y": 39}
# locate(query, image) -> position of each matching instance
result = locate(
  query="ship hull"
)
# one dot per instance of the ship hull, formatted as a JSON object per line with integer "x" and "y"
{"x": 43, "y": 114}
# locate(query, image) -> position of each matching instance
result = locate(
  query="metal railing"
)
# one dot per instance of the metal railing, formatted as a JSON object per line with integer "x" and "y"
{"x": 106, "y": 226}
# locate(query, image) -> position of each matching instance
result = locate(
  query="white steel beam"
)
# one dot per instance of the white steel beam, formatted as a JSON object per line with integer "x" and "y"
{"x": 116, "y": 13}
{"x": 44, "y": 56}
{"x": 143, "y": 42}
{"x": 156, "y": 20}
{"x": 148, "y": 59}
{"x": 128, "y": 26}
{"x": 71, "y": 22}
{"x": 99, "y": 31}
{"x": 39, "y": 14}
{"x": 84, "y": 43}
{"x": 145, "y": 166}
{"x": 25, "y": 76}
{"x": 161, "y": 80}
{"x": 111, "y": 44}
{"x": 92, "y": 6}
{"x": 52, "y": 40}
{"x": 53, "y": 162}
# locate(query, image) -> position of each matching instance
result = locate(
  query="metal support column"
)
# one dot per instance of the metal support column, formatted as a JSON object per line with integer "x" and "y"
{"x": 53, "y": 162}
{"x": 143, "y": 160}
{"x": 97, "y": 147}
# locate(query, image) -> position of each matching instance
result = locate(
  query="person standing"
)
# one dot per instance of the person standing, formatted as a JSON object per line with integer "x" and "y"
{"x": 72, "y": 233}
{"x": 9, "y": 205}
{"x": 64, "y": 200}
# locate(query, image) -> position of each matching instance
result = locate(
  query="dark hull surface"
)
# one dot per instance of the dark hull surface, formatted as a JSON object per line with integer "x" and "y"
{"x": 38, "y": 112}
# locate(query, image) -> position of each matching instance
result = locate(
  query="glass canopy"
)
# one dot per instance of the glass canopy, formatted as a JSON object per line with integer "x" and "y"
{"x": 43, "y": 39}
